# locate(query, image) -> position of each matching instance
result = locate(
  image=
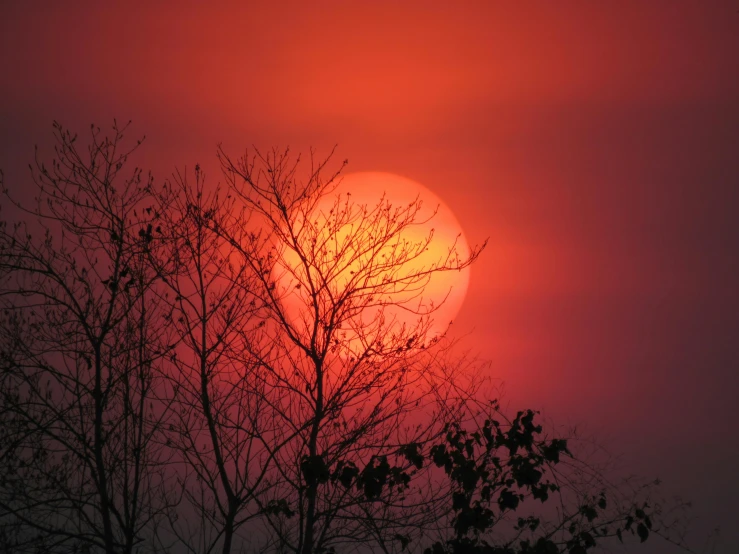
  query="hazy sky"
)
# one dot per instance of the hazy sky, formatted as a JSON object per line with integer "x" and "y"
{"x": 595, "y": 143}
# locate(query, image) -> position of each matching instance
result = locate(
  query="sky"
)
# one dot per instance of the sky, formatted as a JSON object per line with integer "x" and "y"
{"x": 596, "y": 145}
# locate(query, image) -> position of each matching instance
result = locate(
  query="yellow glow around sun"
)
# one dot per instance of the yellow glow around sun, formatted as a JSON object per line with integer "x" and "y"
{"x": 439, "y": 297}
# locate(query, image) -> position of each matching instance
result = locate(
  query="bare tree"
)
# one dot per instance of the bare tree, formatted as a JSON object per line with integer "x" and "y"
{"x": 78, "y": 353}
{"x": 218, "y": 429}
{"x": 202, "y": 370}
{"x": 349, "y": 385}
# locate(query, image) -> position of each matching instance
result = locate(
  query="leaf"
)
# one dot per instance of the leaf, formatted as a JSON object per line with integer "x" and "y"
{"x": 589, "y": 512}
{"x": 540, "y": 492}
{"x": 526, "y": 475}
{"x": 459, "y": 501}
{"x": 277, "y": 507}
{"x": 347, "y": 473}
{"x": 374, "y": 477}
{"x": 314, "y": 469}
{"x": 440, "y": 456}
{"x": 546, "y": 546}
{"x": 552, "y": 451}
{"x": 411, "y": 453}
{"x": 404, "y": 541}
{"x": 642, "y": 531}
{"x": 588, "y": 539}
{"x": 508, "y": 500}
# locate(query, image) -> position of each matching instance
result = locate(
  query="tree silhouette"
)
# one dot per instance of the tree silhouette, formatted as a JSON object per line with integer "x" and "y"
{"x": 347, "y": 383}
{"x": 78, "y": 350}
{"x": 218, "y": 428}
{"x": 195, "y": 369}
{"x": 500, "y": 467}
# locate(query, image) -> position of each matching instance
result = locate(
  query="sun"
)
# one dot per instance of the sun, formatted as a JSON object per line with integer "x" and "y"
{"x": 434, "y": 238}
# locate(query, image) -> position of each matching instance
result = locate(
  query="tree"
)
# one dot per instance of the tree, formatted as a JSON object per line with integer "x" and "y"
{"x": 195, "y": 369}
{"x": 498, "y": 469}
{"x": 218, "y": 428}
{"x": 353, "y": 387}
{"x": 77, "y": 353}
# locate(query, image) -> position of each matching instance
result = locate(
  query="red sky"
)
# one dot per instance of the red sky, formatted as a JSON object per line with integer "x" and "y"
{"x": 595, "y": 143}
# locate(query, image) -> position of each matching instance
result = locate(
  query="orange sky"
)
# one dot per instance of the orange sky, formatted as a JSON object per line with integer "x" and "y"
{"x": 595, "y": 143}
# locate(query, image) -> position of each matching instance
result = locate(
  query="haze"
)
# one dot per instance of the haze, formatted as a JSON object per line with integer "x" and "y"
{"x": 595, "y": 144}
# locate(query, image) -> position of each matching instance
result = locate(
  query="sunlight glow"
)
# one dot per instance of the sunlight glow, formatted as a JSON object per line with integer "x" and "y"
{"x": 439, "y": 298}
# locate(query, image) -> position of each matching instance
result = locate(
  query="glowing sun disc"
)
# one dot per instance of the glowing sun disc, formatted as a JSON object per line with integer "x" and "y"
{"x": 443, "y": 295}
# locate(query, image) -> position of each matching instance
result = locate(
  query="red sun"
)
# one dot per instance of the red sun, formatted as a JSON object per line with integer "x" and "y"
{"x": 439, "y": 298}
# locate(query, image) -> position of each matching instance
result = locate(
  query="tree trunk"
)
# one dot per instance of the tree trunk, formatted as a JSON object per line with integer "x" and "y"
{"x": 100, "y": 469}
{"x": 312, "y": 491}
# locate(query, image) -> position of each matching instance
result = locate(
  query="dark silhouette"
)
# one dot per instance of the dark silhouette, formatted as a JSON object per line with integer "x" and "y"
{"x": 80, "y": 344}
{"x": 161, "y": 391}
